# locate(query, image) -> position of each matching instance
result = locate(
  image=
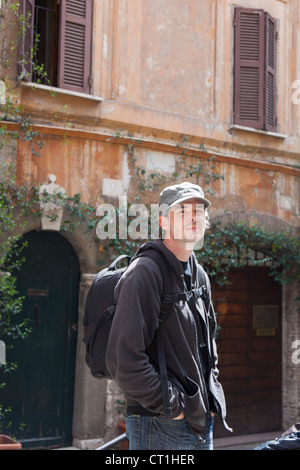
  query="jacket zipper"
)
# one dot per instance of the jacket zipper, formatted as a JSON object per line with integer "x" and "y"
{"x": 200, "y": 363}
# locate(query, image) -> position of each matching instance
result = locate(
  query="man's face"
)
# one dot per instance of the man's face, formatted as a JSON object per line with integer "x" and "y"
{"x": 186, "y": 222}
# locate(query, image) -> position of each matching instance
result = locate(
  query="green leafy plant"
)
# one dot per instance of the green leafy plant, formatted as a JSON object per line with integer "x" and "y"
{"x": 14, "y": 27}
{"x": 236, "y": 244}
{"x": 10, "y": 260}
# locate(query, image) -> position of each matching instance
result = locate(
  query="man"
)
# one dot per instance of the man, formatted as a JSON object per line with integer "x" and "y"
{"x": 194, "y": 392}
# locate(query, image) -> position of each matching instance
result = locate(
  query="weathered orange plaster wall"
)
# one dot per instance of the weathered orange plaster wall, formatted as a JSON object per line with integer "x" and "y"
{"x": 79, "y": 164}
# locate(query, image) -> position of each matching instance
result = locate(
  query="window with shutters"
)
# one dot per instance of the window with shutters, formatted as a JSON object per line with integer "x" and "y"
{"x": 255, "y": 69}
{"x": 60, "y": 37}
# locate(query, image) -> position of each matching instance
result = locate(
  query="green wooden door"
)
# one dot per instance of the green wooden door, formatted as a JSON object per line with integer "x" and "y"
{"x": 41, "y": 390}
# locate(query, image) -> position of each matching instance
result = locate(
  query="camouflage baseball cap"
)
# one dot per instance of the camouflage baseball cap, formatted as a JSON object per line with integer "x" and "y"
{"x": 182, "y": 192}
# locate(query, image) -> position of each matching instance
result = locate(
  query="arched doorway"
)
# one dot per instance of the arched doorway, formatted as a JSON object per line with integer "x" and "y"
{"x": 250, "y": 350}
{"x": 40, "y": 391}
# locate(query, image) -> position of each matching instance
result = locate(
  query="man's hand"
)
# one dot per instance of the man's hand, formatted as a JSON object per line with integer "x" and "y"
{"x": 180, "y": 416}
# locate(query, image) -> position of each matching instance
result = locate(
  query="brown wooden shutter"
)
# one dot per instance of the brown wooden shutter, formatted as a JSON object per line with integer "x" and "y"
{"x": 27, "y": 34}
{"x": 270, "y": 74}
{"x": 75, "y": 45}
{"x": 249, "y": 68}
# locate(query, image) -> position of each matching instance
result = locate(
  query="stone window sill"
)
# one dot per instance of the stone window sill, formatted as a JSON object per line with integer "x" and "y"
{"x": 54, "y": 90}
{"x": 257, "y": 131}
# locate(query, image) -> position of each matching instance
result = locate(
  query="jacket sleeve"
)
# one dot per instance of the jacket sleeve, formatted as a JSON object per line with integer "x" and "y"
{"x": 212, "y": 326}
{"x": 133, "y": 329}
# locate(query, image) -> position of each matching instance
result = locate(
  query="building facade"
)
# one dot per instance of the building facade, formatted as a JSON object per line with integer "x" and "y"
{"x": 157, "y": 88}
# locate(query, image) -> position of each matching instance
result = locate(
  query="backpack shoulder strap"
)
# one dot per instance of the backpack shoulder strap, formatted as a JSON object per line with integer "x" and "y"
{"x": 167, "y": 298}
{"x": 113, "y": 266}
{"x": 165, "y": 308}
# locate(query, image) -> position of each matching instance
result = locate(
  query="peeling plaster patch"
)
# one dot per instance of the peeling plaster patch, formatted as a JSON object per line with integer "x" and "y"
{"x": 110, "y": 107}
{"x": 112, "y": 188}
{"x": 285, "y": 202}
{"x": 208, "y": 80}
{"x": 83, "y": 184}
{"x": 8, "y": 155}
{"x": 230, "y": 184}
{"x": 158, "y": 161}
{"x": 121, "y": 90}
{"x": 125, "y": 173}
{"x": 2, "y": 92}
{"x": 161, "y": 27}
{"x": 149, "y": 62}
{"x": 233, "y": 182}
{"x": 105, "y": 47}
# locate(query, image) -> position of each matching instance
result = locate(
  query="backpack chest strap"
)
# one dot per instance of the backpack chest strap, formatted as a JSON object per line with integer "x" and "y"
{"x": 185, "y": 296}
{"x": 169, "y": 299}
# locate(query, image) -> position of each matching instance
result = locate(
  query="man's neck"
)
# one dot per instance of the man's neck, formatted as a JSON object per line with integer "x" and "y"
{"x": 182, "y": 251}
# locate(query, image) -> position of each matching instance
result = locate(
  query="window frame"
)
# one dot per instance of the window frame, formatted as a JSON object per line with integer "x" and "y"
{"x": 84, "y": 42}
{"x": 65, "y": 50}
{"x": 254, "y": 97}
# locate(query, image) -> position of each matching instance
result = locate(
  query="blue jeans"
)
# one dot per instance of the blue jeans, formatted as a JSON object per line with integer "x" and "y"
{"x": 160, "y": 433}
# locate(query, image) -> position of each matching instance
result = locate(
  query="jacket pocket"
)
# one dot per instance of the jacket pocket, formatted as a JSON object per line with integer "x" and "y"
{"x": 195, "y": 409}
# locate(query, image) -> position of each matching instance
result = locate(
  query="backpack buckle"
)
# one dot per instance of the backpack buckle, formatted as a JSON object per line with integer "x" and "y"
{"x": 201, "y": 292}
{"x": 167, "y": 299}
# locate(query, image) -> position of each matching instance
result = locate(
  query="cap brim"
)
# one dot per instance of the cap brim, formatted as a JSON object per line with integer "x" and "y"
{"x": 204, "y": 201}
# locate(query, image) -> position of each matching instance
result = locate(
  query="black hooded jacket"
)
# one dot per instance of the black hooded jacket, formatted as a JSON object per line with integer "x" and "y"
{"x": 132, "y": 354}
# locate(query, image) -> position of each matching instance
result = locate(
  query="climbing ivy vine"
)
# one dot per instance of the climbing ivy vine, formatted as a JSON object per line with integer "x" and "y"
{"x": 235, "y": 245}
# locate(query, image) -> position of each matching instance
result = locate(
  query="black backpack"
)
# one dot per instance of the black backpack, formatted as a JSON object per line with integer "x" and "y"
{"x": 289, "y": 440}
{"x": 97, "y": 321}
